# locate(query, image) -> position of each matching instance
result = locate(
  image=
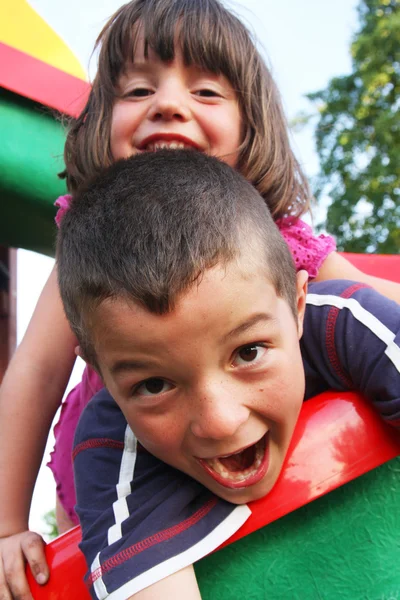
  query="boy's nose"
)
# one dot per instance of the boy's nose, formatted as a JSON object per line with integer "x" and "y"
{"x": 170, "y": 103}
{"x": 219, "y": 413}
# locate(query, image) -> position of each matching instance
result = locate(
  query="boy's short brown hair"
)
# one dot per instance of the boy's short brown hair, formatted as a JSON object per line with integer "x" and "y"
{"x": 149, "y": 227}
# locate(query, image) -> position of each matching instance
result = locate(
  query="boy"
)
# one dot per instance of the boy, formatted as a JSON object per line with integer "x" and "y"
{"x": 184, "y": 297}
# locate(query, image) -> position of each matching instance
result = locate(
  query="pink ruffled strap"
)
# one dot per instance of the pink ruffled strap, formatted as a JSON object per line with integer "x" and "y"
{"x": 60, "y": 459}
{"x": 63, "y": 203}
{"x": 308, "y": 251}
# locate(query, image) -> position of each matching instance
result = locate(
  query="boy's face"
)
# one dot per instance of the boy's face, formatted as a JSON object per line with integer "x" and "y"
{"x": 214, "y": 387}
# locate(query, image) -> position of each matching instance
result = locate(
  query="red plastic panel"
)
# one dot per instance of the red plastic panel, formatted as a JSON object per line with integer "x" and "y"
{"x": 338, "y": 437}
{"x": 30, "y": 77}
{"x": 386, "y": 266}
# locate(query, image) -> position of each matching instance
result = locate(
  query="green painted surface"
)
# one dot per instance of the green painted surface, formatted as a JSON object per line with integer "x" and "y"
{"x": 344, "y": 546}
{"x": 31, "y": 149}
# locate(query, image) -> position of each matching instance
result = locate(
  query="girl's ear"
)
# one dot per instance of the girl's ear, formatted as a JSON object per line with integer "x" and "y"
{"x": 79, "y": 352}
{"x": 301, "y": 286}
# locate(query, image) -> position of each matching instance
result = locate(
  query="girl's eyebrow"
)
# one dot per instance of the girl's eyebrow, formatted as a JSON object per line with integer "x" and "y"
{"x": 137, "y": 66}
{"x": 248, "y": 324}
{"x": 134, "y": 69}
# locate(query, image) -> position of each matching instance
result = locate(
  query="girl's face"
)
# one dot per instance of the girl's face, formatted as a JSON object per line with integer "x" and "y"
{"x": 176, "y": 106}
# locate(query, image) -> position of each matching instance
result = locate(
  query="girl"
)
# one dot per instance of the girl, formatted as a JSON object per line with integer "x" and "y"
{"x": 172, "y": 73}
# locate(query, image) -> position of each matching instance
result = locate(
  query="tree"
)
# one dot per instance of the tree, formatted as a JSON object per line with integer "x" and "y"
{"x": 50, "y": 519}
{"x": 358, "y": 136}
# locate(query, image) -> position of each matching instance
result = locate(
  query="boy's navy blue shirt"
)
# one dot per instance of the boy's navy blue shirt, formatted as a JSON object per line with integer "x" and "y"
{"x": 142, "y": 520}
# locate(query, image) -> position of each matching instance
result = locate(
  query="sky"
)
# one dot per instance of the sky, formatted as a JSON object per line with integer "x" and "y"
{"x": 305, "y": 43}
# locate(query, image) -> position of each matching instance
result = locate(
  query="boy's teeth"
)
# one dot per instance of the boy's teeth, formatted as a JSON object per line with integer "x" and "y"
{"x": 238, "y": 475}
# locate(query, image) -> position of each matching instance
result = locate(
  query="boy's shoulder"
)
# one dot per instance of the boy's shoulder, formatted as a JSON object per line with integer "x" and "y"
{"x": 345, "y": 294}
{"x": 100, "y": 420}
{"x": 343, "y": 312}
{"x": 351, "y": 340}
{"x": 141, "y": 519}
{"x": 338, "y": 287}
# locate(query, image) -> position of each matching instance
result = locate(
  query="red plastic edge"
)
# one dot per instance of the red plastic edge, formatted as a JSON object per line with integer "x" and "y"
{"x": 35, "y": 79}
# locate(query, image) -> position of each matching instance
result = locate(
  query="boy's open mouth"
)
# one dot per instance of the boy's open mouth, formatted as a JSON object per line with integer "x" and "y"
{"x": 240, "y": 469}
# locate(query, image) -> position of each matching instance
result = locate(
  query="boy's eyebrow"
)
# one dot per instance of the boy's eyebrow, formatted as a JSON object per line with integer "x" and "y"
{"x": 255, "y": 320}
{"x": 121, "y": 366}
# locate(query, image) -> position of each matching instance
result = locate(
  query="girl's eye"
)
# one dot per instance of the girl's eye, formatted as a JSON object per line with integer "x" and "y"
{"x": 139, "y": 93}
{"x": 152, "y": 387}
{"x": 249, "y": 354}
{"x": 206, "y": 93}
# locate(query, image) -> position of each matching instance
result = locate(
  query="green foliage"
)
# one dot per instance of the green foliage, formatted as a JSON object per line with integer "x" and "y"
{"x": 50, "y": 519}
{"x": 358, "y": 136}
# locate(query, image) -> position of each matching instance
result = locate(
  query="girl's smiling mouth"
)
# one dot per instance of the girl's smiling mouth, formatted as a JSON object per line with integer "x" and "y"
{"x": 240, "y": 469}
{"x": 174, "y": 141}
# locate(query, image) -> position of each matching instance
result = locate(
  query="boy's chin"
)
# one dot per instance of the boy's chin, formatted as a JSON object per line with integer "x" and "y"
{"x": 246, "y": 494}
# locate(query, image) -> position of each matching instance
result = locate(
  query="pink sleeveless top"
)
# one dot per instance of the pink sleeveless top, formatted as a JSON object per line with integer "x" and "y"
{"x": 308, "y": 251}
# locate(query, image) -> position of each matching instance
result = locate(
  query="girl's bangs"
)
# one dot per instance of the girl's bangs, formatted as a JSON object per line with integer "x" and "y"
{"x": 206, "y": 34}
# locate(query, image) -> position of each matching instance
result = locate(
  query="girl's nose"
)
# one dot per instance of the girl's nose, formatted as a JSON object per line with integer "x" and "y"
{"x": 219, "y": 414}
{"x": 170, "y": 103}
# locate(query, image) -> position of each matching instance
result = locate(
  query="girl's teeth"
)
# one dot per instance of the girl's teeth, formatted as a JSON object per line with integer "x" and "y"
{"x": 163, "y": 145}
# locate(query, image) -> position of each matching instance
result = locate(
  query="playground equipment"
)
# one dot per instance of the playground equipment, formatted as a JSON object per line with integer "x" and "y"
{"x": 40, "y": 80}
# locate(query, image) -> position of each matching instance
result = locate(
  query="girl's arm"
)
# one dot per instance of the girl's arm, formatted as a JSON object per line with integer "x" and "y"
{"x": 337, "y": 267}
{"x": 179, "y": 586}
{"x": 30, "y": 394}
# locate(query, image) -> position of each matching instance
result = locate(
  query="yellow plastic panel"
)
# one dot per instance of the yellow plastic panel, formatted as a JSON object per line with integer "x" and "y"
{"x": 24, "y": 29}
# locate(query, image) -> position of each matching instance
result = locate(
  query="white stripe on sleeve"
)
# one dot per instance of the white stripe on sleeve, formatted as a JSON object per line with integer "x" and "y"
{"x": 120, "y": 506}
{"x": 98, "y": 585}
{"x": 365, "y": 317}
{"x": 215, "y": 538}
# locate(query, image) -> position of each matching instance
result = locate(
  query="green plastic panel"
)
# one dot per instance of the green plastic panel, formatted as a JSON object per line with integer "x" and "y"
{"x": 344, "y": 546}
{"x": 31, "y": 150}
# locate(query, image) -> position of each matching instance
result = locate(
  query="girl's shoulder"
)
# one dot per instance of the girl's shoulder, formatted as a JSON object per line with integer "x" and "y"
{"x": 308, "y": 250}
{"x": 63, "y": 204}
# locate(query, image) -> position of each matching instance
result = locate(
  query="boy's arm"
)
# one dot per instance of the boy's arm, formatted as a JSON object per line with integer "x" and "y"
{"x": 142, "y": 521}
{"x": 338, "y": 267}
{"x": 29, "y": 397}
{"x": 352, "y": 337}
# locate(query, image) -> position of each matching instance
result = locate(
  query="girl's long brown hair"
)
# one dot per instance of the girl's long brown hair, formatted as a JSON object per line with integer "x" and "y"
{"x": 214, "y": 39}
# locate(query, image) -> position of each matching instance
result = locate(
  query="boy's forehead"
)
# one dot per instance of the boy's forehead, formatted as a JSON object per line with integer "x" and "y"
{"x": 225, "y": 278}
{"x": 248, "y": 264}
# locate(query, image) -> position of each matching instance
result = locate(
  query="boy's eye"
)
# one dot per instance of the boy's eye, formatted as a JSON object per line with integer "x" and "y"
{"x": 152, "y": 387}
{"x": 249, "y": 354}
